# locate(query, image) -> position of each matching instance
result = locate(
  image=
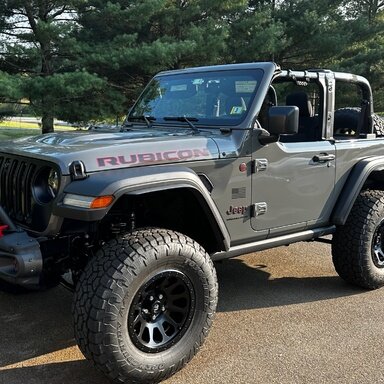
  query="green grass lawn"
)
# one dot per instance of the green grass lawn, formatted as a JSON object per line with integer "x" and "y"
{"x": 23, "y": 125}
{"x": 16, "y": 129}
{"x": 18, "y": 125}
{"x": 9, "y": 133}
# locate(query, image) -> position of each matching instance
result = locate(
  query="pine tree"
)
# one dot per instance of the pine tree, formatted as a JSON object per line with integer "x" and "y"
{"x": 365, "y": 52}
{"x": 128, "y": 41}
{"x": 38, "y": 62}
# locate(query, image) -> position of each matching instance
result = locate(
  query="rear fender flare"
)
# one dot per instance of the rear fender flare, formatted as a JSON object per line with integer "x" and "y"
{"x": 355, "y": 183}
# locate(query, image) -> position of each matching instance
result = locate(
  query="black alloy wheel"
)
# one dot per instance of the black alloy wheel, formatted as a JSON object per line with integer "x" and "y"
{"x": 161, "y": 311}
{"x": 377, "y": 246}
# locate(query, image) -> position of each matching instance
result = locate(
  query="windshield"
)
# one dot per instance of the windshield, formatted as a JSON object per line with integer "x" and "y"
{"x": 211, "y": 98}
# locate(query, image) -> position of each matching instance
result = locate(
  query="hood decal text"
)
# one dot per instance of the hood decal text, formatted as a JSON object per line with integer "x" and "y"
{"x": 157, "y": 157}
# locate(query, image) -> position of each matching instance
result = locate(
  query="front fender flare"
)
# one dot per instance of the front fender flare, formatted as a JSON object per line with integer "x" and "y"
{"x": 134, "y": 181}
{"x": 353, "y": 186}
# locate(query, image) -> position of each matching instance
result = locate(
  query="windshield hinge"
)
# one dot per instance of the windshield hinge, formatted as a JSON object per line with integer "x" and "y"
{"x": 259, "y": 209}
{"x": 259, "y": 165}
{"x": 77, "y": 170}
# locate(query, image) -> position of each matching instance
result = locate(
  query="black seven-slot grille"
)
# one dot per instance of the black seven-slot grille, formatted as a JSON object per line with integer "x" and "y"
{"x": 16, "y": 177}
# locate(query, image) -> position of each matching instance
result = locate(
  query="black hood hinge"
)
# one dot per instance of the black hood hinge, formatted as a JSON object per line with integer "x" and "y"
{"x": 77, "y": 170}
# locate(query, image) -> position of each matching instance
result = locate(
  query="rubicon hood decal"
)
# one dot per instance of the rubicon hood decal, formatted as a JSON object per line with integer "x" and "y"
{"x": 158, "y": 157}
{"x": 102, "y": 151}
{"x": 160, "y": 152}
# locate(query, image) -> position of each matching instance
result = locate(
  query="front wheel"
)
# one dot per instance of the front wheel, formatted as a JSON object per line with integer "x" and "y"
{"x": 358, "y": 246}
{"x": 144, "y": 305}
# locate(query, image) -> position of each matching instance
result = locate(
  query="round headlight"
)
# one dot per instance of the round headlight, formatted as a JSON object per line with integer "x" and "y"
{"x": 46, "y": 185}
{"x": 53, "y": 182}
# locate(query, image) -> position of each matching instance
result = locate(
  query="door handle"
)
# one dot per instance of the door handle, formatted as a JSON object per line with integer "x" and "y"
{"x": 323, "y": 158}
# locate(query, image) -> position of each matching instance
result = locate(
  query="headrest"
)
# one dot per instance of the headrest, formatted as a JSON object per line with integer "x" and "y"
{"x": 300, "y": 99}
{"x": 228, "y": 87}
{"x": 213, "y": 88}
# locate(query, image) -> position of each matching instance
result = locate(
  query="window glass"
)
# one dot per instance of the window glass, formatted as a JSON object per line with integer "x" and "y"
{"x": 215, "y": 98}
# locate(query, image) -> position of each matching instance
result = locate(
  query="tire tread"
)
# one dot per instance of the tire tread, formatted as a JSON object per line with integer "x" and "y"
{"x": 100, "y": 286}
{"x": 351, "y": 245}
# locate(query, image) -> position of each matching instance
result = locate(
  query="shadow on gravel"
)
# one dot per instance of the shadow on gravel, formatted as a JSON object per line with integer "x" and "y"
{"x": 79, "y": 372}
{"x": 34, "y": 324}
{"x": 249, "y": 287}
{"x": 38, "y": 323}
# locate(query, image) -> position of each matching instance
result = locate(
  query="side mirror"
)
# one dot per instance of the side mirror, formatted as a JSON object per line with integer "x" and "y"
{"x": 283, "y": 120}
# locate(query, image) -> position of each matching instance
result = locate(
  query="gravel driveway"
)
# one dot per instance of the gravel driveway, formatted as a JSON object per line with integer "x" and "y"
{"x": 283, "y": 317}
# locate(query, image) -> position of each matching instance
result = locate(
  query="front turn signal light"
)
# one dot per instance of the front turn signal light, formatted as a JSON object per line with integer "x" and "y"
{"x": 101, "y": 202}
{"x": 90, "y": 202}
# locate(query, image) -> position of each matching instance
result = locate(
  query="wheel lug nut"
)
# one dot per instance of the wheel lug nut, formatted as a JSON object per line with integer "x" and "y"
{"x": 151, "y": 298}
{"x": 145, "y": 310}
{"x": 160, "y": 296}
{"x": 163, "y": 308}
{"x": 154, "y": 317}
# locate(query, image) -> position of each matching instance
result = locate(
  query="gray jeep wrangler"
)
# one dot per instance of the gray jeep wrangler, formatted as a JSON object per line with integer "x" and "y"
{"x": 211, "y": 163}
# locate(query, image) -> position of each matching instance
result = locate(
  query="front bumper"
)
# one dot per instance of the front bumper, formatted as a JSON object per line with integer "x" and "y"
{"x": 21, "y": 262}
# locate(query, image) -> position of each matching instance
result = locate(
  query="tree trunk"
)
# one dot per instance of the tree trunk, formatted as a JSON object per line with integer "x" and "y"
{"x": 46, "y": 123}
{"x": 36, "y": 17}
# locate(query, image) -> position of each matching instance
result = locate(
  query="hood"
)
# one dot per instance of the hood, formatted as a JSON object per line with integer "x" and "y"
{"x": 113, "y": 150}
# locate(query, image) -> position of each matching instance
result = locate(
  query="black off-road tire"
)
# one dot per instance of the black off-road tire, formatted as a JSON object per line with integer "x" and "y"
{"x": 358, "y": 246}
{"x": 378, "y": 125}
{"x": 347, "y": 120}
{"x": 125, "y": 286}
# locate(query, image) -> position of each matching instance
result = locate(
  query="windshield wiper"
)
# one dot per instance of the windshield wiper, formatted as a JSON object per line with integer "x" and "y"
{"x": 186, "y": 119}
{"x": 148, "y": 119}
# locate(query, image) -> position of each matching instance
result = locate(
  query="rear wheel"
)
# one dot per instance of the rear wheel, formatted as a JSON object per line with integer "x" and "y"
{"x": 358, "y": 246}
{"x": 144, "y": 305}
